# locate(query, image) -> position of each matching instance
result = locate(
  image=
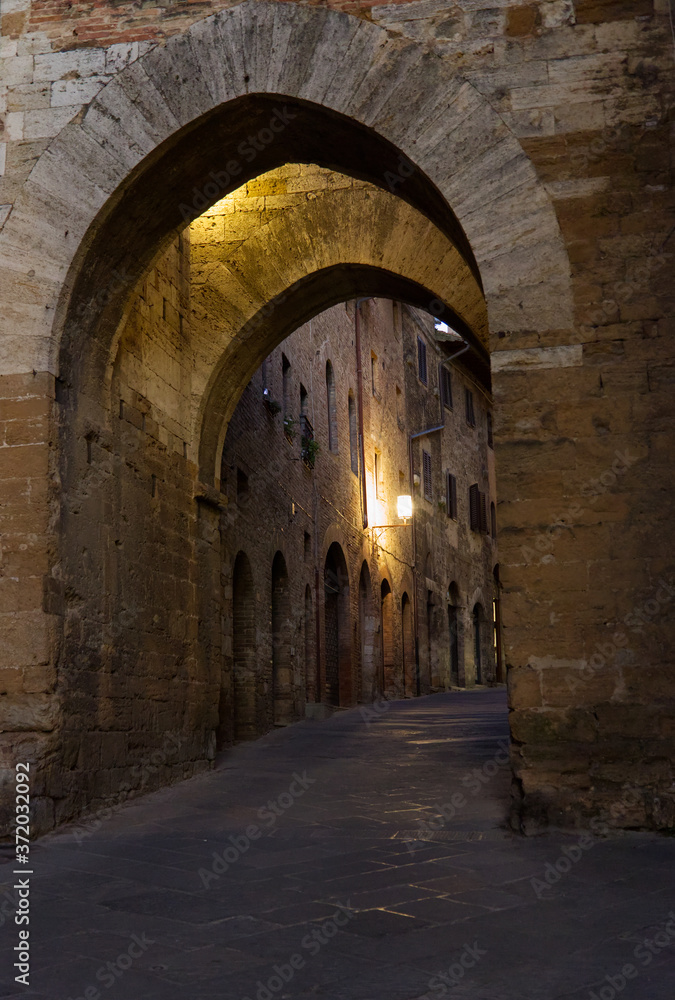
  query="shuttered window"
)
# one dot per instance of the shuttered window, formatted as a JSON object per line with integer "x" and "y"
{"x": 483, "y": 514}
{"x": 332, "y": 408}
{"x": 474, "y": 507}
{"x": 477, "y": 510}
{"x": 451, "y": 495}
{"x": 426, "y": 475}
{"x": 470, "y": 413}
{"x": 446, "y": 387}
{"x": 422, "y": 360}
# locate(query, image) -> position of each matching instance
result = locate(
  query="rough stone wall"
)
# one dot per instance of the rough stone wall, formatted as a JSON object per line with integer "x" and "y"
{"x": 590, "y": 73}
{"x": 134, "y": 701}
{"x": 27, "y": 670}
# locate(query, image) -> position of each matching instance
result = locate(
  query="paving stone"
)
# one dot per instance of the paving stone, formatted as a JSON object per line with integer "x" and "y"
{"x": 414, "y": 913}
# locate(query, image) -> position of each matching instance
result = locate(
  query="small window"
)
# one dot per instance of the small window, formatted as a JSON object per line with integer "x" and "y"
{"x": 308, "y": 546}
{"x": 307, "y": 444}
{"x": 470, "y": 412}
{"x": 242, "y": 485}
{"x": 422, "y": 360}
{"x": 446, "y": 387}
{"x": 373, "y": 373}
{"x": 286, "y": 383}
{"x": 266, "y": 372}
{"x": 332, "y": 409}
{"x": 426, "y": 476}
{"x": 493, "y": 520}
{"x": 474, "y": 507}
{"x": 353, "y": 436}
{"x": 303, "y": 400}
{"x": 489, "y": 430}
{"x": 451, "y": 496}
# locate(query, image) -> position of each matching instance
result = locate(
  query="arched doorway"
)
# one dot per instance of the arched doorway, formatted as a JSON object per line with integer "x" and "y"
{"x": 454, "y": 623}
{"x": 337, "y": 637}
{"x": 407, "y": 646}
{"x": 431, "y": 678}
{"x": 478, "y": 618}
{"x": 243, "y": 651}
{"x": 390, "y": 684}
{"x": 310, "y": 655}
{"x": 282, "y": 667}
{"x": 366, "y": 636}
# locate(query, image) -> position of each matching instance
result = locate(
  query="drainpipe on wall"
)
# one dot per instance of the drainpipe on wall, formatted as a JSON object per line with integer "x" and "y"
{"x": 359, "y": 403}
{"x": 411, "y": 438}
{"x": 317, "y": 639}
{"x": 318, "y": 694}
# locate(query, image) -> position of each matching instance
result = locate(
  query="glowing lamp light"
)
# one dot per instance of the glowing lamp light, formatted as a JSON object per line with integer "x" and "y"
{"x": 404, "y": 507}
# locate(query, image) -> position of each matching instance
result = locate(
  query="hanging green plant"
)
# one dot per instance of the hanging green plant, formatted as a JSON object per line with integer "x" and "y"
{"x": 289, "y": 428}
{"x": 310, "y": 449}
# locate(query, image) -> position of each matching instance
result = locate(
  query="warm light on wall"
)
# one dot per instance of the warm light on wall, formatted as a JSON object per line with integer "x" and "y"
{"x": 404, "y": 507}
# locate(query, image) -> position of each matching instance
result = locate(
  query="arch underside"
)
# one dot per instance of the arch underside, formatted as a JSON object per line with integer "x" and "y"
{"x": 278, "y": 319}
{"x": 259, "y": 270}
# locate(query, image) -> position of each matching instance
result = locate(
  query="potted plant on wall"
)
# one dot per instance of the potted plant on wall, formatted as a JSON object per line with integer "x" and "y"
{"x": 310, "y": 449}
{"x": 289, "y": 428}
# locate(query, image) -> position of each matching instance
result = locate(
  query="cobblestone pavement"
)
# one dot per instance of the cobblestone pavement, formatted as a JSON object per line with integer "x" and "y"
{"x": 361, "y": 858}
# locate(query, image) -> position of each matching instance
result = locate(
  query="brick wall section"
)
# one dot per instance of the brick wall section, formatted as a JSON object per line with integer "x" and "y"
{"x": 29, "y": 714}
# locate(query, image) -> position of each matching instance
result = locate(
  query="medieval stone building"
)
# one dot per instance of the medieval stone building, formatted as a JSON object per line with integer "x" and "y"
{"x": 183, "y": 186}
{"x": 329, "y": 596}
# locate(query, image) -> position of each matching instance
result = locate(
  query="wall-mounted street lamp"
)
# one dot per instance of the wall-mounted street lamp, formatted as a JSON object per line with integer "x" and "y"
{"x": 404, "y": 509}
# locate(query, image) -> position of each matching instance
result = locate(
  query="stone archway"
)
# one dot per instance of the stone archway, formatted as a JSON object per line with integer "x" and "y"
{"x": 410, "y": 105}
{"x": 419, "y": 132}
{"x": 381, "y": 246}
